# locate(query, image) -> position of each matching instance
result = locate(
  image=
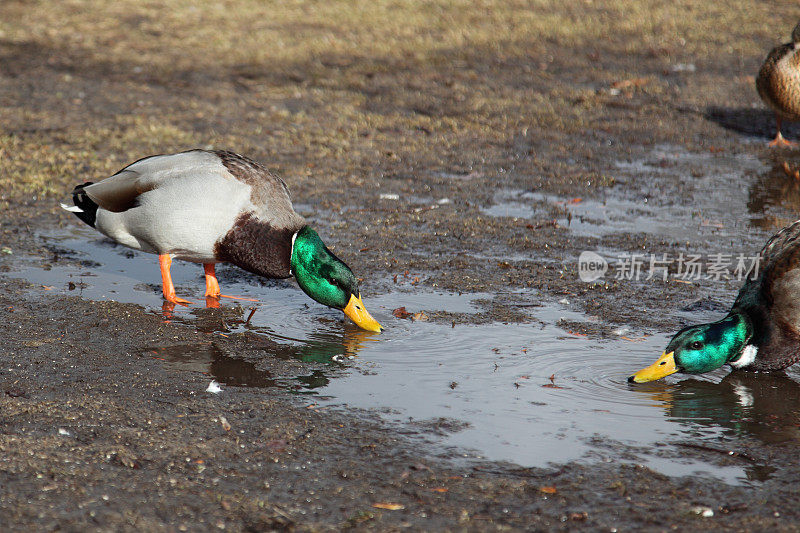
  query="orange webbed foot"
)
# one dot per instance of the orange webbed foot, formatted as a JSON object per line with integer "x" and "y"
{"x": 167, "y": 288}
{"x": 780, "y": 142}
{"x": 175, "y": 300}
{"x": 212, "y": 286}
{"x": 238, "y": 298}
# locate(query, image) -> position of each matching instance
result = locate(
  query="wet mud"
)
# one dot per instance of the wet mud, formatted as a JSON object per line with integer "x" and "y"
{"x": 461, "y": 181}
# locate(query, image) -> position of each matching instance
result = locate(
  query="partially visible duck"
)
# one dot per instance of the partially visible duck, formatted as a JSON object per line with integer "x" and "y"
{"x": 217, "y": 206}
{"x": 778, "y": 84}
{"x": 761, "y": 331}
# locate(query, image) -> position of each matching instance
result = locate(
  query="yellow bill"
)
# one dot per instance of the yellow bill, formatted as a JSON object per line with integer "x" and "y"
{"x": 356, "y": 312}
{"x": 664, "y": 366}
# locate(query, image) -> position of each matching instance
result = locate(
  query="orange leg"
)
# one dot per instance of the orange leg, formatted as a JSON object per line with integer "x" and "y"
{"x": 779, "y": 140}
{"x": 212, "y": 286}
{"x": 165, "y": 262}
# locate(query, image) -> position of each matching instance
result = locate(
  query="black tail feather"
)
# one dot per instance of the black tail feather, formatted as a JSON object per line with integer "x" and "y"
{"x": 82, "y": 200}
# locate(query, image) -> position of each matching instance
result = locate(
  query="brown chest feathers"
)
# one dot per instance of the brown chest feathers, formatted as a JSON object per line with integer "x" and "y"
{"x": 778, "y": 81}
{"x": 257, "y": 247}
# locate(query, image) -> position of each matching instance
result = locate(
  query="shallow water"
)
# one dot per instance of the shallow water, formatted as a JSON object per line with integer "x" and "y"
{"x": 531, "y": 393}
{"x": 698, "y": 202}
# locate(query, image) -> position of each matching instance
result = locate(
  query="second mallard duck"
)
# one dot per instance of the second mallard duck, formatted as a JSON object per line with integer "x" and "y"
{"x": 762, "y": 329}
{"x": 778, "y": 84}
{"x": 217, "y": 206}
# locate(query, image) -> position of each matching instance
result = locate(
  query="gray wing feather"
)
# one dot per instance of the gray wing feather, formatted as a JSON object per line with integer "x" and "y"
{"x": 117, "y": 193}
{"x": 268, "y": 193}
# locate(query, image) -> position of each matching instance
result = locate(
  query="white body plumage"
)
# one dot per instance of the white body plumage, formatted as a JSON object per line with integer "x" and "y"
{"x": 184, "y": 204}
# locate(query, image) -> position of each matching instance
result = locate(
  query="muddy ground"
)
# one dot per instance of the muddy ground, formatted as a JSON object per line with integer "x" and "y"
{"x": 348, "y": 101}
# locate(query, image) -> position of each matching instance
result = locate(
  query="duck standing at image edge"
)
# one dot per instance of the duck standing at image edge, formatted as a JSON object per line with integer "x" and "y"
{"x": 762, "y": 330}
{"x": 778, "y": 84}
{"x": 217, "y": 206}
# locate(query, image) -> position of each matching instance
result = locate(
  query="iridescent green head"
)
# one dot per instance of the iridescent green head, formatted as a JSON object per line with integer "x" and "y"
{"x": 326, "y": 279}
{"x": 701, "y": 348}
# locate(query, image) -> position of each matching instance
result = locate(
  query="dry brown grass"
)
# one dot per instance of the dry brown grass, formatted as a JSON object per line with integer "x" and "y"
{"x": 180, "y": 33}
{"x": 339, "y": 88}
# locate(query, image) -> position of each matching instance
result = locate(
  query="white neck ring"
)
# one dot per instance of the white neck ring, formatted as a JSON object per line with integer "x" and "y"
{"x": 291, "y": 252}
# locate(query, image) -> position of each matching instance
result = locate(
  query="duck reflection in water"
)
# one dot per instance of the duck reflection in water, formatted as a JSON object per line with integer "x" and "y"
{"x": 210, "y": 359}
{"x": 749, "y": 404}
{"x": 774, "y": 196}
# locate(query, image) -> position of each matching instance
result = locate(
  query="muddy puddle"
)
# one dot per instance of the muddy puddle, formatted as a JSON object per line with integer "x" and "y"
{"x": 532, "y": 393}
{"x": 672, "y": 194}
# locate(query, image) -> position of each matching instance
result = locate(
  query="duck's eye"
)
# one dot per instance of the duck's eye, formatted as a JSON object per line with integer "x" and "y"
{"x": 696, "y": 345}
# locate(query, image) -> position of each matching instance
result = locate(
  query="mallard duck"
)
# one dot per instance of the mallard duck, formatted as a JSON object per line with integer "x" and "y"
{"x": 761, "y": 331}
{"x": 778, "y": 84}
{"x": 217, "y": 206}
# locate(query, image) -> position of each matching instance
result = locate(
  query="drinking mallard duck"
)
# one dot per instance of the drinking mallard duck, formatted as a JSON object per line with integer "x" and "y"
{"x": 761, "y": 331}
{"x": 217, "y": 206}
